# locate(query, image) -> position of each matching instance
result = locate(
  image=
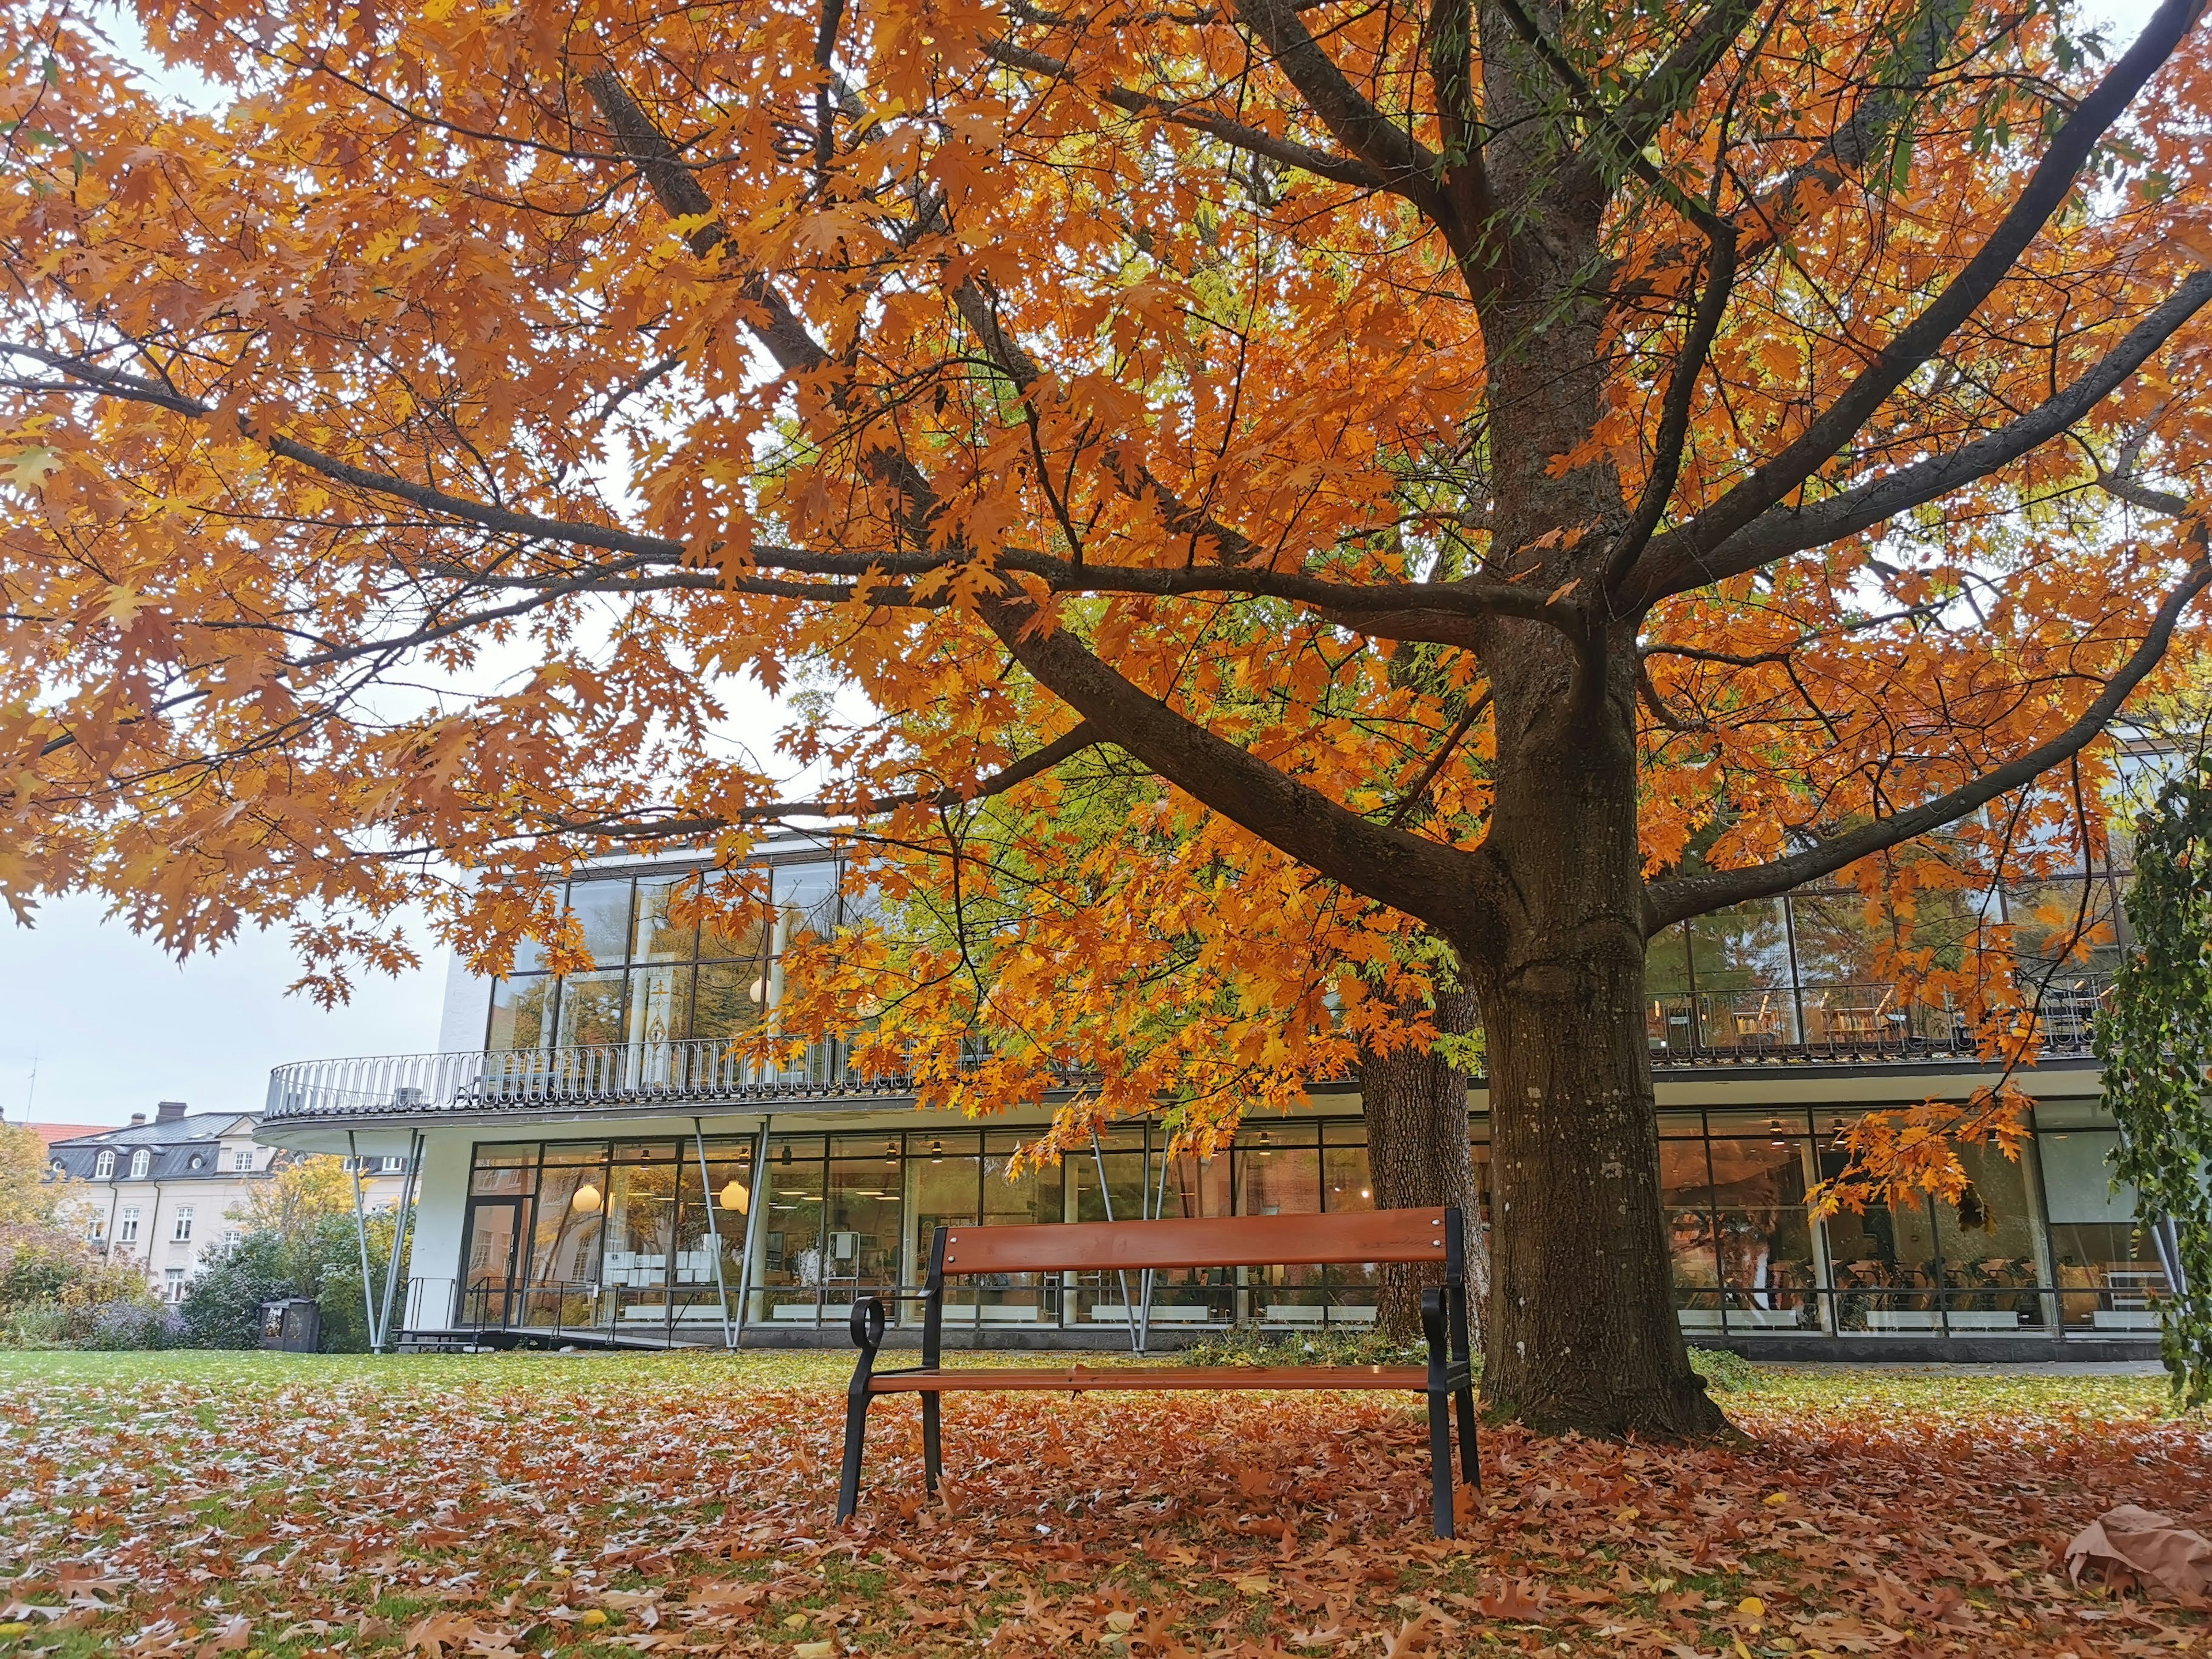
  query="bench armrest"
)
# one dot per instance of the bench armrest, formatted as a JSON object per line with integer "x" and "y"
{"x": 867, "y": 1322}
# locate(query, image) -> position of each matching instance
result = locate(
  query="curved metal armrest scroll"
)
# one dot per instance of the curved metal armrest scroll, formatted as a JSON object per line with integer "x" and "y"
{"x": 867, "y": 1322}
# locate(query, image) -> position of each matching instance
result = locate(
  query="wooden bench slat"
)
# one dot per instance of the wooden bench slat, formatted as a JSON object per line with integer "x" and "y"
{"x": 1251, "y": 1241}
{"x": 1083, "y": 1379}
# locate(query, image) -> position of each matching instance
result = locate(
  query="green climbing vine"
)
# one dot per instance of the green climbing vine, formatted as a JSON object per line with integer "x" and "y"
{"x": 2155, "y": 1045}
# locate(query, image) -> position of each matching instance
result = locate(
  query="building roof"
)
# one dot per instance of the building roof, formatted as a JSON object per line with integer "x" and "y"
{"x": 50, "y": 1132}
{"x": 195, "y": 1126}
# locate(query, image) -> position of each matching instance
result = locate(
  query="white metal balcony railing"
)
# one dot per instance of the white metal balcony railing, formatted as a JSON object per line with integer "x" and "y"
{"x": 700, "y": 1069}
{"x": 1851, "y": 1024}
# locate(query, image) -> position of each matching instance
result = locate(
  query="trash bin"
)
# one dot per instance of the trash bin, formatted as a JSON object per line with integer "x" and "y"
{"x": 294, "y": 1325}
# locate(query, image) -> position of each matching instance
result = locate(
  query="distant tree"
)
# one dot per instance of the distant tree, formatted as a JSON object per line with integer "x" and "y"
{"x": 32, "y": 1192}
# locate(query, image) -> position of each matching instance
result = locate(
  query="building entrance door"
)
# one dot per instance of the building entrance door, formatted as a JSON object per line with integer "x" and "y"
{"x": 491, "y": 1262}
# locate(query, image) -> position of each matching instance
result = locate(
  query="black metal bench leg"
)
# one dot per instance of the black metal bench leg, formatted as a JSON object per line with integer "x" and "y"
{"x": 1470, "y": 1457}
{"x": 848, "y": 1482}
{"x": 932, "y": 1444}
{"x": 1440, "y": 1460}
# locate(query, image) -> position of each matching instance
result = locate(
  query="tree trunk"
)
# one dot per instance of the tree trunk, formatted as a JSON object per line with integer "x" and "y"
{"x": 1583, "y": 1331}
{"x": 1418, "y": 1152}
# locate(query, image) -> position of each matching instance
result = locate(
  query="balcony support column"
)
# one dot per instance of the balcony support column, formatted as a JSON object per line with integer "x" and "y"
{"x": 405, "y": 1214}
{"x": 360, "y": 1235}
{"x": 713, "y": 1232}
{"x": 753, "y": 1227}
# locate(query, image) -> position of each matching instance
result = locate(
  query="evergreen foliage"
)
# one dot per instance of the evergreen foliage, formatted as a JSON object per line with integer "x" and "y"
{"x": 2155, "y": 1045}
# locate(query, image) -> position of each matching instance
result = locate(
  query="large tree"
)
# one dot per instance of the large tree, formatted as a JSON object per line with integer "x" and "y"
{"x": 1751, "y": 406}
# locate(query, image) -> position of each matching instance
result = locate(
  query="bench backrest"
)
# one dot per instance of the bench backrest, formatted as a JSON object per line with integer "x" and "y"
{"x": 1245, "y": 1240}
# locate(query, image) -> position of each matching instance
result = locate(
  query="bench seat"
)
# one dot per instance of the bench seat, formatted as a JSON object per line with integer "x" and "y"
{"x": 1086, "y": 1379}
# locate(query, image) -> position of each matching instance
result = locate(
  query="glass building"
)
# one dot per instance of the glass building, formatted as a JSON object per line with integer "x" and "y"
{"x": 598, "y": 1166}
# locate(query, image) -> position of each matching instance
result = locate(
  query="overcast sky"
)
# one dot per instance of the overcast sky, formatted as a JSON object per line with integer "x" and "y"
{"x": 110, "y": 1025}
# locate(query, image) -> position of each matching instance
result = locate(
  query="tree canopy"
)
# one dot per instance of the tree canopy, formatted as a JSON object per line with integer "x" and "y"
{"x": 1774, "y": 423}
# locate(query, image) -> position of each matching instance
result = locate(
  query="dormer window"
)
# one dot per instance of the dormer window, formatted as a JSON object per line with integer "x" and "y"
{"x": 199, "y": 1163}
{"x": 103, "y": 1167}
{"x": 142, "y": 1161}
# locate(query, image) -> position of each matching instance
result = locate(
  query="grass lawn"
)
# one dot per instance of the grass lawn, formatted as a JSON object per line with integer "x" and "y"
{"x": 203, "y": 1504}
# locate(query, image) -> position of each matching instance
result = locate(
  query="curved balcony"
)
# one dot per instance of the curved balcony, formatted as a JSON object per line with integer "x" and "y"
{"x": 639, "y": 1074}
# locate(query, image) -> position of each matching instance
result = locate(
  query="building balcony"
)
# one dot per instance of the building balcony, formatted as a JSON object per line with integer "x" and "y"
{"x": 698, "y": 1072}
{"x": 1843, "y": 1024}
{"x": 1846, "y": 1025}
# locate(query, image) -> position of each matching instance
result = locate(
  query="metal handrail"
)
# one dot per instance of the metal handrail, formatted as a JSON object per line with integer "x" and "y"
{"x": 600, "y": 1074}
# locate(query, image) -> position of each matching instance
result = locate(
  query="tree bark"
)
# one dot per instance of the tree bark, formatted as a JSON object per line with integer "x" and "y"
{"x": 1582, "y": 1331}
{"x": 1418, "y": 1156}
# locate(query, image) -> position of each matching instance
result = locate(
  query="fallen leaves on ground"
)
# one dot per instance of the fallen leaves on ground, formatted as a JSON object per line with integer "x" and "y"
{"x": 189, "y": 1506}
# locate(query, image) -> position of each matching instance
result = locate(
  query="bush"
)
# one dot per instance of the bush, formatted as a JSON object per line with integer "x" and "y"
{"x": 135, "y": 1325}
{"x": 310, "y": 1255}
{"x": 1724, "y": 1372}
{"x": 221, "y": 1307}
{"x": 38, "y": 1325}
{"x": 53, "y": 1276}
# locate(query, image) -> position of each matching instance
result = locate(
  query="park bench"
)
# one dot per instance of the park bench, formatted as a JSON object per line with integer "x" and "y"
{"x": 1393, "y": 1235}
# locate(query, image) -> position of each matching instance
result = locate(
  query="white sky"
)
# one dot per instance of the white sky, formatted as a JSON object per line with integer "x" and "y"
{"x": 109, "y": 1025}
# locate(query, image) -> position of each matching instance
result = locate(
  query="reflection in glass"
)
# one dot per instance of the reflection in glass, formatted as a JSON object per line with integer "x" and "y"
{"x": 659, "y": 1008}
{"x": 602, "y": 910}
{"x": 791, "y": 1265}
{"x": 564, "y": 1252}
{"x": 731, "y": 1000}
{"x": 591, "y": 1009}
{"x": 1988, "y": 1241}
{"x": 1762, "y": 1235}
{"x": 517, "y": 1014}
{"x": 2109, "y": 1271}
{"x": 658, "y": 938}
{"x": 640, "y": 1240}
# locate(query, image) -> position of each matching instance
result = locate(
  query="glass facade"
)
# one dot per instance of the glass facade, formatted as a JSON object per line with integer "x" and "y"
{"x": 625, "y": 1233}
{"x": 656, "y": 982}
{"x": 1799, "y": 975}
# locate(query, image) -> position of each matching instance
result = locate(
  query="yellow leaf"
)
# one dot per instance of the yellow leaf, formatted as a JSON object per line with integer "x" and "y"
{"x": 27, "y": 469}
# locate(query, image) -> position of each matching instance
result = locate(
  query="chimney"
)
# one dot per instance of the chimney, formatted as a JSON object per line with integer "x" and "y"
{"x": 168, "y": 1111}
{"x": 137, "y": 1118}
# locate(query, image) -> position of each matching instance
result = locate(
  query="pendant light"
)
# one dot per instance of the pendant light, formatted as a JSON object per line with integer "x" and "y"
{"x": 586, "y": 1201}
{"x": 937, "y": 1151}
{"x": 736, "y": 1197}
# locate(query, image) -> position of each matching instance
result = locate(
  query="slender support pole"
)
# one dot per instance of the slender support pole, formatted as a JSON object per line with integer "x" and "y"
{"x": 1106, "y": 1197}
{"x": 752, "y": 1225}
{"x": 1159, "y": 1213}
{"x": 400, "y": 1222}
{"x": 713, "y": 1232}
{"x": 360, "y": 1233}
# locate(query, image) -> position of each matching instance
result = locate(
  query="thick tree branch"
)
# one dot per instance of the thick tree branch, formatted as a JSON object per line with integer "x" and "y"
{"x": 1323, "y": 164}
{"x": 1669, "y": 88}
{"x": 1675, "y": 415}
{"x": 1673, "y": 567}
{"x": 2046, "y": 189}
{"x": 1671, "y": 901}
{"x": 1447, "y": 888}
{"x": 1073, "y": 742}
{"x": 1404, "y": 163}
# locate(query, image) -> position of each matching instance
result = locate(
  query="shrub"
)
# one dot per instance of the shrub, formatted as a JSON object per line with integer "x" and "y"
{"x": 1724, "y": 1372}
{"x": 38, "y": 1325}
{"x": 135, "y": 1325}
{"x": 221, "y": 1307}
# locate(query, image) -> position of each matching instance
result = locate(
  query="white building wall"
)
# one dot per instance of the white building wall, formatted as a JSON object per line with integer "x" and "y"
{"x": 466, "y": 1011}
{"x": 441, "y": 1202}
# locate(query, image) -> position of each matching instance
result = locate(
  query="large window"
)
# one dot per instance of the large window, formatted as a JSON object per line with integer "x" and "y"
{"x": 594, "y": 1233}
{"x": 655, "y": 980}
